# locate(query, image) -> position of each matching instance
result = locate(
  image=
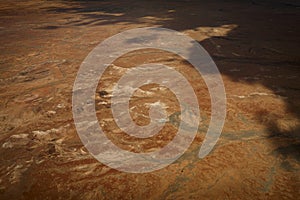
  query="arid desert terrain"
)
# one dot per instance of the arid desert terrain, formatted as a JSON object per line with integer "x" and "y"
{"x": 255, "y": 45}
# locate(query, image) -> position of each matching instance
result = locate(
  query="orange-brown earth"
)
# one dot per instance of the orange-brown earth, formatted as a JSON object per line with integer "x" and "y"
{"x": 255, "y": 45}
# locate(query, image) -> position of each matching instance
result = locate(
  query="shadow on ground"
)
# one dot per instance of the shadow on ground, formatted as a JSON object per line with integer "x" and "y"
{"x": 267, "y": 56}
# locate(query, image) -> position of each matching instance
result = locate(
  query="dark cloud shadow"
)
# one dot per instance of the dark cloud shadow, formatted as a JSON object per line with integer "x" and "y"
{"x": 261, "y": 45}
